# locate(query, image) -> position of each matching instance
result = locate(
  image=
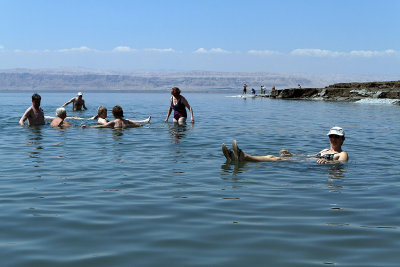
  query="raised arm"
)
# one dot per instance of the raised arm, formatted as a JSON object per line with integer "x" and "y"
{"x": 69, "y": 102}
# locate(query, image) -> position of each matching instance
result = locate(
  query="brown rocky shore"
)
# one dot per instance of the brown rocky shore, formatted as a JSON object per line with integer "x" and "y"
{"x": 349, "y": 92}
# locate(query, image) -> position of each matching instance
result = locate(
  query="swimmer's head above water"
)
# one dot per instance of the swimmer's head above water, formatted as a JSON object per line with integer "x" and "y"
{"x": 61, "y": 112}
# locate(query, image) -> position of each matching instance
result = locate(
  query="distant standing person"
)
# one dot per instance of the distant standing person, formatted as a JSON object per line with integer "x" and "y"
{"x": 273, "y": 88}
{"x": 179, "y": 104}
{"x": 299, "y": 86}
{"x": 34, "y": 114}
{"x": 77, "y": 101}
{"x": 60, "y": 121}
{"x": 244, "y": 89}
{"x": 262, "y": 90}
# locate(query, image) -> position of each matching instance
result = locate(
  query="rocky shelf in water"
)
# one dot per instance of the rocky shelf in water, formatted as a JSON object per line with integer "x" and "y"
{"x": 349, "y": 92}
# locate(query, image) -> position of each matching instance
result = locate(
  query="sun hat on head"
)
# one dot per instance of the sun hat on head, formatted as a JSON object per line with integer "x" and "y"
{"x": 60, "y": 111}
{"x": 80, "y": 93}
{"x": 336, "y": 131}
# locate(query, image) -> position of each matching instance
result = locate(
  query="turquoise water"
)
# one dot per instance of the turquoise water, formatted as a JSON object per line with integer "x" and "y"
{"x": 163, "y": 195}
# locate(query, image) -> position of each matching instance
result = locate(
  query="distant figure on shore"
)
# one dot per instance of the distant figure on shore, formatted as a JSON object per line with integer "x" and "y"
{"x": 299, "y": 86}
{"x": 34, "y": 114}
{"x": 102, "y": 115}
{"x": 334, "y": 154}
{"x": 119, "y": 121}
{"x": 60, "y": 121}
{"x": 77, "y": 101}
{"x": 178, "y": 103}
{"x": 253, "y": 91}
{"x": 244, "y": 89}
{"x": 273, "y": 88}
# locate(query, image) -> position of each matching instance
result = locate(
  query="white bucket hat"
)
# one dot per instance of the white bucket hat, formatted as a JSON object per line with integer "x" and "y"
{"x": 336, "y": 131}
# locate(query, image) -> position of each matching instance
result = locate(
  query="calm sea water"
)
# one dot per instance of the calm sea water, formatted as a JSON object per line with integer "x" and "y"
{"x": 163, "y": 195}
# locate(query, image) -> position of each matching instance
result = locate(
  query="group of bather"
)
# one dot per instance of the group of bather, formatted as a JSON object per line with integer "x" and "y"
{"x": 35, "y": 116}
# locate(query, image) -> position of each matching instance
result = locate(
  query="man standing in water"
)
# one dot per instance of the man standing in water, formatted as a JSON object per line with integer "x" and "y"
{"x": 77, "y": 101}
{"x": 34, "y": 114}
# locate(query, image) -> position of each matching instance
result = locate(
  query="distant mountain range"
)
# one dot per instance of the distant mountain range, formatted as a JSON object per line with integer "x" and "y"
{"x": 88, "y": 80}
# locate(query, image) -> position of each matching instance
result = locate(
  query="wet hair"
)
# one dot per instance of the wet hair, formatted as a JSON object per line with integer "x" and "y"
{"x": 100, "y": 110}
{"x": 60, "y": 111}
{"x": 175, "y": 91}
{"x": 117, "y": 112}
{"x": 36, "y": 97}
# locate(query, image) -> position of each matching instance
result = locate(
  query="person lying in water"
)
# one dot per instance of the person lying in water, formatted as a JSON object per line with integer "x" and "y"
{"x": 60, "y": 121}
{"x": 102, "y": 115}
{"x": 333, "y": 154}
{"x": 119, "y": 121}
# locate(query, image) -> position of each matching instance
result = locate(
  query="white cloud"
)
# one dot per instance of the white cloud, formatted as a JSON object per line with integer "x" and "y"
{"x": 329, "y": 53}
{"x": 263, "y": 52}
{"x": 211, "y": 51}
{"x": 78, "y": 49}
{"x": 158, "y": 50}
{"x": 369, "y": 53}
{"x": 316, "y": 53}
{"x": 123, "y": 49}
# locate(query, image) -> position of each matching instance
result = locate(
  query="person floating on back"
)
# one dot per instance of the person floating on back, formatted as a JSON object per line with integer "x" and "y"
{"x": 77, "y": 101}
{"x": 102, "y": 115}
{"x": 119, "y": 121}
{"x": 334, "y": 154}
{"x": 34, "y": 114}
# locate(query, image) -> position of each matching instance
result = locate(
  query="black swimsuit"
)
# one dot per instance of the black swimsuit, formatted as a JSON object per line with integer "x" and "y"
{"x": 179, "y": 109}
{"x": 327, "y": 156}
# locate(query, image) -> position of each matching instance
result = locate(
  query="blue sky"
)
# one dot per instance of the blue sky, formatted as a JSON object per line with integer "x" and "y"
{"x": 325, "y": 36}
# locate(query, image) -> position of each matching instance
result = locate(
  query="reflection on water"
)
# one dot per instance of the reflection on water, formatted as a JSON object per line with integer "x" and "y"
{"x": 336, "y": 174}
{"x": 337, "y": 171}
{"x": 117, "y": 132}
{"x": 178, "y": 131}
{"x": 233, "y": 167}
{"x": 34, "y": 139}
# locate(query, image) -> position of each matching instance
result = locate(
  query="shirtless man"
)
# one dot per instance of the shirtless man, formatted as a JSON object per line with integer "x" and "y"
{"x": 60, "y": 121}
{"x": 334, "y": 154}
{"x": 77, "y": 101}
{"x": 34, "y": 114}
{"x": 119, "y": 122}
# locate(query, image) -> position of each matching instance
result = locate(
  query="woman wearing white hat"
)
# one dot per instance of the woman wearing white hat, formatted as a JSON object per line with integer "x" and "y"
{"x": 330, "y": 155}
